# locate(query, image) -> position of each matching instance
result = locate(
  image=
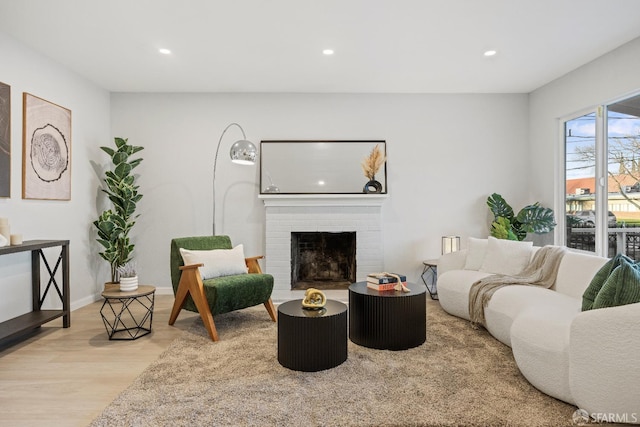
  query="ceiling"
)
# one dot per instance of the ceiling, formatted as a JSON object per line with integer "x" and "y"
{"x": 381, "y": 46}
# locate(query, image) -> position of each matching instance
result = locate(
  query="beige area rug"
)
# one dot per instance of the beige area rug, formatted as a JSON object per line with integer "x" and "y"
{"x": 459, "y": 377}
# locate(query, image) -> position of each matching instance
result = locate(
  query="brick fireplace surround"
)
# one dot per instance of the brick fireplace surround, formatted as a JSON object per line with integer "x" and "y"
{"x": 285, "y": 214}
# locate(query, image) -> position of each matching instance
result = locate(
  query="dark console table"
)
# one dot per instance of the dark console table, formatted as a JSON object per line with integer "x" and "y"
{"x": 389, "y": 320}
{"x": 37, "y": 317}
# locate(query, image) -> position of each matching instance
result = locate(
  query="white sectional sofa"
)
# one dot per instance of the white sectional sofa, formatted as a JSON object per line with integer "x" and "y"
{"x": 590, "y": 359}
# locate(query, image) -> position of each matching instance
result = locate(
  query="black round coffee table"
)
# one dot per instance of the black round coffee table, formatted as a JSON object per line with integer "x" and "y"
{"x": 388, "y": 320}
{"x": 312, "y": 340}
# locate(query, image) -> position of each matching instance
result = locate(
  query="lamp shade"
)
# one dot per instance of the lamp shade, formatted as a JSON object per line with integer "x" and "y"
{"x": 450, "y": 244}
{"x": 243, "y": 152}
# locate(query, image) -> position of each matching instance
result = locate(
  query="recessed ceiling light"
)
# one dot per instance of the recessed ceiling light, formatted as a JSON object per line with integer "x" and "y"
{"x": 328, "y": 51}
{"x": 164, "y": 51}
{"x": 490, "y": 52}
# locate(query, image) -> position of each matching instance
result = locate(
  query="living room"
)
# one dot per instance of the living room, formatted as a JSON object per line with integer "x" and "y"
{"x": 448, "y": 149}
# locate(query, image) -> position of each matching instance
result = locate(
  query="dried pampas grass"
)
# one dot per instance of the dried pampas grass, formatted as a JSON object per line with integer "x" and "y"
{"x": 372, "y": 163}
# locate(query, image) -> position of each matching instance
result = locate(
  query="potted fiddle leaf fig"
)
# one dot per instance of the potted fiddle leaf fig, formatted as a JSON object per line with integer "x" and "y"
{"x": 114, "y": 224}
{"x": 507, "y": 225}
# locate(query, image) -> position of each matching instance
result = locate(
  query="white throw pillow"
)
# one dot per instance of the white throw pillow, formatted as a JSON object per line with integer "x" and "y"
{"x": 506, "y": 256}
{"x": 476, "y": 251}
{"x": 217, "y": 262}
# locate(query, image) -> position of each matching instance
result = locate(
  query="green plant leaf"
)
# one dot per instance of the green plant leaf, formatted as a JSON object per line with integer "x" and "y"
{"x": 119, "y": 157}
{"x": 129, "y": 207}
{"x": 120, "y": 142}
{"x": 503, "y": 229}
{"x": 108, "y": 150}
{"x": 499, "y": 207}
{"x": 134, "y": 163}
{"x": 536, "y": 219}
{"x": 122, "y": 170}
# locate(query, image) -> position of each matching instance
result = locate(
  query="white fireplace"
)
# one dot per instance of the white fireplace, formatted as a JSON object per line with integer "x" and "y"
{"x": 285, "y": 214}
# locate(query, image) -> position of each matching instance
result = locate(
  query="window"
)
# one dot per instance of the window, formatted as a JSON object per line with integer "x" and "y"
{"x": 580, "y": 182}
{"x": 602, "y": 179}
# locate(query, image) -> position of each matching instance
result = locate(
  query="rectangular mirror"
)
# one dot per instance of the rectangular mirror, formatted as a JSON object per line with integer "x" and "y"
{"x": 319, "y": 167}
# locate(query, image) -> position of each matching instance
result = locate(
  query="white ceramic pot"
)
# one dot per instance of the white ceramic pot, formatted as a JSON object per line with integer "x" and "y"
{"x": 128, "y": 284}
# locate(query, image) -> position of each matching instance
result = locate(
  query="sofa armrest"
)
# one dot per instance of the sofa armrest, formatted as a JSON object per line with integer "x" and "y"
{"x": 603, "y": 360}
{"x": 452, "y": 261}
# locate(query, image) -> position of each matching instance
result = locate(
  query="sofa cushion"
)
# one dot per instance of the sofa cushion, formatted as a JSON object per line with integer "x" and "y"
{"x": 575, "y": 272}
{"x": 506, "y": 256}
{"x": 510, "y": 301}
{"x": 598, "y": 280}
{"x": 229, "y": 293}
{"x": 453, "y": 290}
{"x": 622, "y": 286}
{"x": 476, "y": 250}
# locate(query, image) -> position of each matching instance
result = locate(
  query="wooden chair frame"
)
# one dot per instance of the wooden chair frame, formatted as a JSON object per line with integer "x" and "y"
{"x": 191, "y": 284}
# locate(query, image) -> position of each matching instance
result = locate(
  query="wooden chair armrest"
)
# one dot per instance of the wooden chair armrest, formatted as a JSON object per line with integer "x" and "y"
{"x": 190, "y": 267}
{"x": 253, "y": 265}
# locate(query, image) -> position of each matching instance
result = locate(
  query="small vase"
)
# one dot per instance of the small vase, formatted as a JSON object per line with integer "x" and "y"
{"x": 128, "y": 284}
{"x": 372, "y": 186}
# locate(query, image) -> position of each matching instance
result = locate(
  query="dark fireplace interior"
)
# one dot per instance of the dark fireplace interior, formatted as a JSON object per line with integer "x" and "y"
{"x": 323, "y": 260}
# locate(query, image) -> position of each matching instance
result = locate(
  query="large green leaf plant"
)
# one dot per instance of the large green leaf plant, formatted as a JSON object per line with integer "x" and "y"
{"x": 114, "y": 224}
{"x": 507, "y": 225}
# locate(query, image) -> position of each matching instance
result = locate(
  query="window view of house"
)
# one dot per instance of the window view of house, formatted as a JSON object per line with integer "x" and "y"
{"x": 620, "y": 154}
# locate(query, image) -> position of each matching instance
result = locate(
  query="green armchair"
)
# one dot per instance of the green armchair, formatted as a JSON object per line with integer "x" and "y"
{"x": 220, "y": 294}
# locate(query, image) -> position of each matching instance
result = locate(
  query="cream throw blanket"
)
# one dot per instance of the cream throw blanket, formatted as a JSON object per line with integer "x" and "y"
{"x": 541, "y": 271}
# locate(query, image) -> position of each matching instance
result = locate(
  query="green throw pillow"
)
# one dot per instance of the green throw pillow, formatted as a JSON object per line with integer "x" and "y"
{"x": 622, "y": 287}
{"x": 598, "y": 280}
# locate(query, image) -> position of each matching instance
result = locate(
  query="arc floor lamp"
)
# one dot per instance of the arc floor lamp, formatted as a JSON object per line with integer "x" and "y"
{"x": 242, "y": 152}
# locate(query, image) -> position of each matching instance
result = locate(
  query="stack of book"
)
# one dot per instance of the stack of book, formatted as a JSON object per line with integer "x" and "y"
{"x": 384, "y": 281}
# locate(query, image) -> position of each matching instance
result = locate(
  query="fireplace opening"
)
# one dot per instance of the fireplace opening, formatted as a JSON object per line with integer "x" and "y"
{"x": 323, "y": 260}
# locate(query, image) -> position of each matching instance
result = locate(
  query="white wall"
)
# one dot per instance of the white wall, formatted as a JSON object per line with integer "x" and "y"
{"x": 605, "y": 79}
{"x": 27, "y": 71}
{"x": 446, "y": 154}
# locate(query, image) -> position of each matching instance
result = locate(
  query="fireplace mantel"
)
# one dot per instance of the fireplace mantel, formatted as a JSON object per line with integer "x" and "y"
{"x": 287, "y": 213}
{"x": 323, "y": 199}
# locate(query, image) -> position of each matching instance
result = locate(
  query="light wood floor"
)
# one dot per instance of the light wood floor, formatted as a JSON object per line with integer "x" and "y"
{"x": 66, "y": 377}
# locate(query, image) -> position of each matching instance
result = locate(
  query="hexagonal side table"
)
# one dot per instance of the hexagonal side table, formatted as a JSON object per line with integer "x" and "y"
{"x": 128, "y": 315}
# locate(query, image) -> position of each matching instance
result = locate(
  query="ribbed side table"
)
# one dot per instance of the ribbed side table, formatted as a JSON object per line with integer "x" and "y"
{"x": 389, "y": 320}
{"x": 312, "y": 340}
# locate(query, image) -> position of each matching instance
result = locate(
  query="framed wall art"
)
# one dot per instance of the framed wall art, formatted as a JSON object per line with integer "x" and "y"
{"x": 5, "y": 140}
{"x": 46, "y": 150}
